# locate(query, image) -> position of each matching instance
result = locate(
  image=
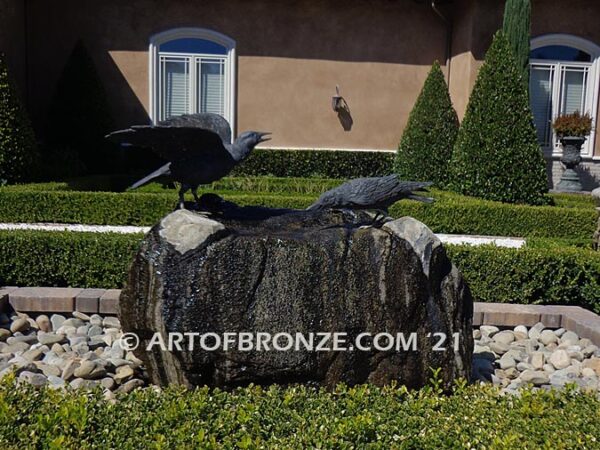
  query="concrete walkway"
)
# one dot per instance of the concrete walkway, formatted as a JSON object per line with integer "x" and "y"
{"x": 445, "y": 238}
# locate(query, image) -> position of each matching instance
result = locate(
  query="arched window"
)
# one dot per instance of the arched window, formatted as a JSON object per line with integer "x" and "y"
{"x": 192, "y": 70}
{"x": 563, "y": 79}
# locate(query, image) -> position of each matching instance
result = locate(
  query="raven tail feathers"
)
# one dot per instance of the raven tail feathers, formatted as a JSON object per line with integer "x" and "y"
{"x": 163, "y": 171}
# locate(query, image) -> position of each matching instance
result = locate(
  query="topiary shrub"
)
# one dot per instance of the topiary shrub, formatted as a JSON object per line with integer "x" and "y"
{"x": 429, "y": 136}
{"x": 79, "y": 118}
{"x": 516, "y": 27}
{"x": 18, "y": 147}
{"x": 497, "y": 156}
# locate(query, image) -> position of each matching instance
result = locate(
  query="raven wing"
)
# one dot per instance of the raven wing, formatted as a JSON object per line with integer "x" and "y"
{"x": 173, "y": 143}
{"x": 206, "y": 121}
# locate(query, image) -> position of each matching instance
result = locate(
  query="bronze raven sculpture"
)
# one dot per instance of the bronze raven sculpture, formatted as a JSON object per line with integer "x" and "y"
{"x": 377, "y": 193}
{"x": 197, "y": 146}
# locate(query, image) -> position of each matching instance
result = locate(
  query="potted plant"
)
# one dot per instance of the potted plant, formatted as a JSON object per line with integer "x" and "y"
{"x": 572, "y": 130}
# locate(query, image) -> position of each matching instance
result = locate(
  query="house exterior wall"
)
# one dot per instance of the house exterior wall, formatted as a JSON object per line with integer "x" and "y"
{"x": 12, "y": 40}
{"x": 291, "y": 55}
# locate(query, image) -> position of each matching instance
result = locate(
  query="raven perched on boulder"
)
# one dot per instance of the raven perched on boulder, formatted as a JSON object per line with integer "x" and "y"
{"x": 197, "y": 146}
{"x": 377, "y": 193}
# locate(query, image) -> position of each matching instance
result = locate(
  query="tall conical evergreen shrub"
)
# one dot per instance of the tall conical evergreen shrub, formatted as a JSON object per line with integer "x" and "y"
{"x": 517, "y": 28}
{"x": 497, "y": 155}
{"x": 79, "y": 114}
{"x": 426, "y": 145}
{"x": 18, "y": 147}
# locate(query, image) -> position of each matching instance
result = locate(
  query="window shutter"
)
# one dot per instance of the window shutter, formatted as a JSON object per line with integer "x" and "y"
{"x": 573, "y": 90}
{"x": 176, "y": 87}
{"x": 212, "y": 86}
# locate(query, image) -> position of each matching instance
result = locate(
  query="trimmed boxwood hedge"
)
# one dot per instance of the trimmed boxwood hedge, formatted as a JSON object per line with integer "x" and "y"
{"x": 561, "y": 276}
{"x": 48, "y": 258}
{"x": 298, "y": 417}
{"x": 569, "y": 276}
{"x": 317, "y": 163}
{"x": 451, "y": 213}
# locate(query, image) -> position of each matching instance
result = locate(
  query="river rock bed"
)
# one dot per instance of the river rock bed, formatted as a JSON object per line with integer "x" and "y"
{"x": 544, "y": 358}
{"x": 81, "y": 351}
{"x": 84, "y": 351}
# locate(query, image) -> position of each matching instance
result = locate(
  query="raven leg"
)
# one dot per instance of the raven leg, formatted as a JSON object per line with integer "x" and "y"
{"x": 196, "y": 198}
{"x": 381, "y": 216}
{"x": 182, "y": 190}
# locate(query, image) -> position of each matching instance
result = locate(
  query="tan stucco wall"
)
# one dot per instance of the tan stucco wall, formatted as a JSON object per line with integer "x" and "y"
{"x": 12, "y": 39}
{"x": 291, "y": 55}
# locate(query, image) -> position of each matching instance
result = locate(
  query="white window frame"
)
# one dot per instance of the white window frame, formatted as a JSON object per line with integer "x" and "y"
{"x": 229, "y": 62}
{"x": 592, "y": 85}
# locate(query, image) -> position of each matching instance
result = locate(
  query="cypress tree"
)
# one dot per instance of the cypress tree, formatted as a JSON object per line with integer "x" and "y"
{"x": 428, "y": 139}
{"x": 79, "y": 114}
{"x": 497, "y": 155}
{"x": 18, "y": 147}
{"x": 517, "y": 28}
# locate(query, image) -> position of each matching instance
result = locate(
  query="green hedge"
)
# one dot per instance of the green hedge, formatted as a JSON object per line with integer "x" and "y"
{"x": 450, "y": 213}
{"x": 47, "y": 258}
{"x": 317, "y": 163}
{"x": 481, "y": 217}
{"x": 562, "y": 276}
{"x": 298, "y": 417}
{"x": 550, "y": 275}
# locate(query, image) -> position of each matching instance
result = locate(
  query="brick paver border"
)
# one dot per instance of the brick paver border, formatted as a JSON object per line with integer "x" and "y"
{"x": 39, "y": 300}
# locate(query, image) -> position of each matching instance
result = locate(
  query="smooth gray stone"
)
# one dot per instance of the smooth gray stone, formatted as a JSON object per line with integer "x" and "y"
{"x": 21, "y": 324}
{"x": 111, "y": 322}
{"x": 17, "y": 347}
{"x": 35, "y": 379}
{"x": 51, "y": 338}
{"x": 95, "y": 330}
{"x": 73, "y": 322}
{"x": 56, "y": 382}
{"x": 81, "y": 316}
{"x": 57, "y": 320}
{"x": 30, "y": 339}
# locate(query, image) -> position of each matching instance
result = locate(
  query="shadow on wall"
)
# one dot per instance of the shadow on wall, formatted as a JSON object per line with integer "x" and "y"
{"x": 589, "y": 180}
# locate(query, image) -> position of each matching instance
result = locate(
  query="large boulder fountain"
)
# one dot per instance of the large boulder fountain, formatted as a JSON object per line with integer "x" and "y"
{"x": 302, "y": 274}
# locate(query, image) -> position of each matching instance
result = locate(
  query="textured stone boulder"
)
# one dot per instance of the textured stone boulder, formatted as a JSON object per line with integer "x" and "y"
{"x": 300, "y": 272}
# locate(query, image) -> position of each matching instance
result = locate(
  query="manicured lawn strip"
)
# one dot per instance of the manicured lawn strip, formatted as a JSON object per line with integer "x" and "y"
{"x": 298, "y": 417}
{"x": 449, "y": 214}
{"x": 118, "y": 183}
{"x": 544, "y": 275}
{"x": 289, "y": 186}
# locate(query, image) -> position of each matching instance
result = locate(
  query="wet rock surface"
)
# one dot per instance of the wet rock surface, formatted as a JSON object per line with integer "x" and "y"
{"x": 298, "y": 272}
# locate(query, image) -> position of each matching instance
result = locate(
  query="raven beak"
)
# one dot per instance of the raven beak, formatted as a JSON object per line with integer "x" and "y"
{"x": 262, "y": 137}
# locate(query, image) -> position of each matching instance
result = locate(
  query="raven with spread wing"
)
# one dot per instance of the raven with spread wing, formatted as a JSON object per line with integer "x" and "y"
{"x": 197, "y": 146}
